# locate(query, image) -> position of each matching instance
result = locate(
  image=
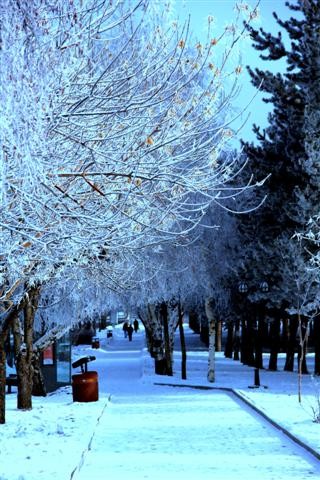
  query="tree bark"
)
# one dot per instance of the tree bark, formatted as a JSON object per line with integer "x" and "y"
{"x": 156, "y": 341}
{"x": 209, "y": 308}
{"x": 38, "y": 380}
{"x": 316, "y": 340}
{"x": 274, "y": 343}
{"x": 291, "y": 343}
{"x": 303, "y": 344}
{"x": 259, "y": 336}
{"x": 3, "y": 337}
{"x": 38, "y": 385}
{"x": 204, "y": 330}
{"x": 247, "y": 343}
{"x": 182, "y": 345}
{"x": 4, "y": 330}
{"x": 237, "y": 341}
{"x": 284, "y": 333}
{"x": 228, "y": 348}
{"x": 302, "y": 350}
{"x": 25, "y": 355}
{"x": 194, "y": 321}
{"x": 219, "y": 336}
{"x": 167, "y": 343}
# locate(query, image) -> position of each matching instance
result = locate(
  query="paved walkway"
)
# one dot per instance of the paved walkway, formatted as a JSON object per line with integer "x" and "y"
{"x": 153, "y": 432}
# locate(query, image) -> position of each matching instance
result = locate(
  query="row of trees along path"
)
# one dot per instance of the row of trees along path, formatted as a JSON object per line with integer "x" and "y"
{"x": 113, "y": 124}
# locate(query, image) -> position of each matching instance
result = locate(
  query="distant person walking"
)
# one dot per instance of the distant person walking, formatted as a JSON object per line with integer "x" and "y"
{"x": 136, "y": 325}
{"x": 125, "y": 329}
{"x": 130, "y": 332}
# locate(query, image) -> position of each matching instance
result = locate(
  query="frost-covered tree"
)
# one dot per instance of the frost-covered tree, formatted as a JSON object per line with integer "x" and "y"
{"x": 39, "y": 46}
{"x": 119, "y": 126}
{"x": 181, "y": 277}
{"x": 112, "y": 146}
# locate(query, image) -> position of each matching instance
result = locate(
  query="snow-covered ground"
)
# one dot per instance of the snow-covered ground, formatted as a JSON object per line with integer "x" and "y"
{"x": 139, "y": 430}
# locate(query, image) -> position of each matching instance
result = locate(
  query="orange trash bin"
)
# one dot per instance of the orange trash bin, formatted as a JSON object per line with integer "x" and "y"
{"x": 85, "y": 387}
{"x": 95, "y": 342}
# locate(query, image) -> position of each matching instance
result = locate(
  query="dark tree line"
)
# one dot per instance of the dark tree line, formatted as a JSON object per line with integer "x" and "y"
{"x": 284, "y": 316}
{"x": 285, "y": 150}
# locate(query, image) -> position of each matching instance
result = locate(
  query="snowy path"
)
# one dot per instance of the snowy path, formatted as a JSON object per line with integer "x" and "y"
{"x": 153, "y": 432}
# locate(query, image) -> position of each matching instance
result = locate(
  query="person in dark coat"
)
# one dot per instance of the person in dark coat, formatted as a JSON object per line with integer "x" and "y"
{"x": 125, "y": 329}
{"x": 136, "y": 325}
{"x": 130, "y": 332}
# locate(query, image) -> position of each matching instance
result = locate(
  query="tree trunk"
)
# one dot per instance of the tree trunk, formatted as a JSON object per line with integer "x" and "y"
{"x": 38, "y": 385}
{"x": 243, "y": 342}
{"x": 194, "y": 321}
{"x": 4, "y": 330}
{"x": 259, "y": 336}
{"x": 25, "y": 355}
{"x": 209, "y": 307}
{"x": 219, "y": 336}
{"x": 302, "y": 349}
{"x": 284, "y": 334}
{"x": 247, "y": 343}
{"x": 3, "y": 337}
{"x": 303, "y": 344}
{"x": 316, "y": 340}
{"x": 156, "y": 341}
{"x": 237, "y": 341}
{"x": 167, "y": 343}
{"x": 38, "y": 388}
{"x": 291, "y": 343}
{"x": 17, "y": 336}
{"x": 274, "y": 343}
{"x": 204, "y": 329}
{"x": 228, "y": 348}
{"x": 182, "y": 345}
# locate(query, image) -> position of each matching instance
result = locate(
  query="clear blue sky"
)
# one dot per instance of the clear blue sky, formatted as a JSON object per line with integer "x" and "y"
{"x": 223, "y": 12}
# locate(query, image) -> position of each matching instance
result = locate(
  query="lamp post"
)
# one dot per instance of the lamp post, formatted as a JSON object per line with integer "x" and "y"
{"x": 243, "y": 290}
{"x": 263, "y": 287}
{"x": 243, "y": 287}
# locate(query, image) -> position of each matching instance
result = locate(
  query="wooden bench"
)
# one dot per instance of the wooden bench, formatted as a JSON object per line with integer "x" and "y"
{"x": 11, "y": 381}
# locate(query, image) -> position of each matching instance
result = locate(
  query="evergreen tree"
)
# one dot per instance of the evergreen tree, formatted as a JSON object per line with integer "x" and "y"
{"x": 293, "y": 186}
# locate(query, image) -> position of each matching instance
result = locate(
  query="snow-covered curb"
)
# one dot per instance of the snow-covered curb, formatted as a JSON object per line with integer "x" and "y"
{"x": 297, "y": 430}
{"x": 88, "y": 447}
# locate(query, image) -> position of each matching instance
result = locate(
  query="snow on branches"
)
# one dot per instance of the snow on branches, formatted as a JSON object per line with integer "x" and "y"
{"x": 111, "y": 119}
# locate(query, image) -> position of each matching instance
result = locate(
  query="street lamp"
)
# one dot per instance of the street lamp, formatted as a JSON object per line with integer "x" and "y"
{"x": 243, "y": 287}
{"x": 264, "y": 287}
